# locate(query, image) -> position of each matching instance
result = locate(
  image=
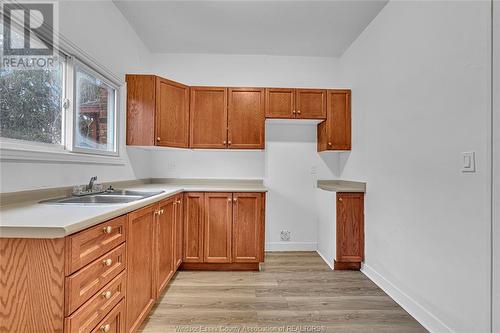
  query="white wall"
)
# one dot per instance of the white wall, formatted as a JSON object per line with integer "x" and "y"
{"x": 99, "y": 29}
{"x": 496, "y": 168}
{"x": 420, "y": 80}
{"x": 219, "y": 164}
{"x": 326, "y": 209}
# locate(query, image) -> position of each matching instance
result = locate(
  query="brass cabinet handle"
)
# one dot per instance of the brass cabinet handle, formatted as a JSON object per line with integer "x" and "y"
{"x": 298, "y": 112}
{"x": 340, "y": 199}
{"x": 229, "y": 142}
{"x": 105, "y": 328}
{"x": 224, "y": 142}
{"x": 329, "y": 143}
{"x": 162, "y": 211}
{"x": 107, "y": 229}
{"x": 234, "y": 200}
{"x": 158, "y": 139}
{"x": 107, "y": 262}
{"x": 229, "y": 199}
{"x": 294, "y": 112}
{"x": 107, "y": 294}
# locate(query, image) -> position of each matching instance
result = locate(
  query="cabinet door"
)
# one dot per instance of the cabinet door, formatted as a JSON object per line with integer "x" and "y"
{"x": 311, "y": 103}
{"x": 339, "y": 120}
{"x": 208, "y": 117}
{"x": 280, "y": 103}
{"x": 140, "y": 266}
{"x": 246, "y": 118}
{"x": 140, "y": 109}
{"x": 193, "y": 226}
{"x": 179, "y": 230}
{"x": 218, "y": 227}
{"x": 164, "y": 234}
{"x": 172, "y": 114}
{"x": 248, "y": 226}
{"x": 350, "y": 227}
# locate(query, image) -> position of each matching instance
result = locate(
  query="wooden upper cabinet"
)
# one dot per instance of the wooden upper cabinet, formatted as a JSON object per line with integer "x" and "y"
{"x": 157, "y": 112}
{"x": 218, "y": 227}
{"x": 164, "y": 241}
{"x": 246, "y": 118}
{"x": 350, "y": 227}
{"x": 140, "y": 266}
{"x": 194, "y": 215}
{"x": 248, "y": 227}
{"x": 172, "y": 114}
{"x": 141, "y": 109}
{"x": 208, "y": 117}
{"x": 335, "y": 132}
{"x": 311, "y": 103}
{"x": 280, "y": 103}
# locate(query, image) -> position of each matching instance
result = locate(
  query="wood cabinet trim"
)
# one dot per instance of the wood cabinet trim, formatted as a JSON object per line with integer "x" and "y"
{"x": 226, "y": 234}
{"x": 350, "y": 227}
{"x": 192, "y": 119}
{"x": 270, "y": 112}
{"x": 248, "y": 126}
{"x": 176, "y": 142}
{"x": 304, "y": 114}
{"x": 249, "y": 240}
{"x": 87, "y": 245}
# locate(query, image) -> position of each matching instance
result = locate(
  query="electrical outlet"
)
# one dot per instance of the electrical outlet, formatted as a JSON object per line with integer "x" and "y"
{"x": 285, "y": 235}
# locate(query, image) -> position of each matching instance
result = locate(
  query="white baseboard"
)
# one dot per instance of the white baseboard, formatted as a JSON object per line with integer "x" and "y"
{"x": 328, "y": 262}
{"x": 417, "y": 311}
{"x": 291, "y": 246}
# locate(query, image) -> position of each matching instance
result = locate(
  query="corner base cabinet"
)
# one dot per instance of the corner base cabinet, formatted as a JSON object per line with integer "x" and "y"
{"x": 350, "y": 231}
{"x": 223, "y": 230}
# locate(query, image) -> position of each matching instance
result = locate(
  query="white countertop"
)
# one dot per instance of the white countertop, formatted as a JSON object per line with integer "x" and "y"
{"x": 339, "y": 185}
{"x": 33, "y": 220}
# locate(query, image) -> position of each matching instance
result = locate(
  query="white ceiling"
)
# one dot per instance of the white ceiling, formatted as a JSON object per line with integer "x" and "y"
{"x": 291, "y": 28}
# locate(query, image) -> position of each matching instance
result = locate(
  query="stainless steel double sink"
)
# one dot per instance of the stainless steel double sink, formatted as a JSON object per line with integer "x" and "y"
{"x": 107, "y": 197}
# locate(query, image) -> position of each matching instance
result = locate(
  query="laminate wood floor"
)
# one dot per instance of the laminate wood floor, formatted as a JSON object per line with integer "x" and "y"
{"x": 294, "y": 292}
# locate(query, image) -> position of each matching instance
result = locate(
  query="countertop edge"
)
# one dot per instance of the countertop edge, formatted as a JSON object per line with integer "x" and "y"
{"x": 48, "y": 232}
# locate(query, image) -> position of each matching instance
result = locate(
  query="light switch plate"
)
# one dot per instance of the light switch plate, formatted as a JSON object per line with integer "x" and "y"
{"x": 469, "y": 161}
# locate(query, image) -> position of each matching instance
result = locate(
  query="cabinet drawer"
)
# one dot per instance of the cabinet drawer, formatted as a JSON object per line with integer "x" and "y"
{"x": 114, "y": 322}
{"x": 96, "y": 308}
{"x": 86, "y": 282}
{"x": 89, "y": 244}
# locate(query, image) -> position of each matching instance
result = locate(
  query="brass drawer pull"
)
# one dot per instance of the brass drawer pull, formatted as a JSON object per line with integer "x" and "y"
{"x": 107, "y": 262}
{"x": 107, "y": 294}
{"x": 108, "y": 229}
{"x": 105, "y": 328}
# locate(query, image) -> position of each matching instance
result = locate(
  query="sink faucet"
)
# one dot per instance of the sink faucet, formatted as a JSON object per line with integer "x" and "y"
{"x": 90, "y": 186}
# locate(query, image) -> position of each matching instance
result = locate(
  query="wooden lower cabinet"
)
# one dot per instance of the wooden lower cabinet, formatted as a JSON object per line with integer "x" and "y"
{"x": 194, "y": 203}
{"x": 164, "y": 242}
{"x": 107, "y": 278}
{"x": 141, "y": 291}
{"x": 350, "y": 231}
{"x": 179, "y": 230}
{"x": 218, "y": 227}
{"x": 223, "y": 230}
{"x": 114, "y": 322}
{"x": 248, "y": 229}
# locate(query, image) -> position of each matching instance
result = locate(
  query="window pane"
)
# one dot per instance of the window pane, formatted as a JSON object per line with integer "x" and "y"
{"x": 31, "y": 104}
{"x": 95, "y": 113}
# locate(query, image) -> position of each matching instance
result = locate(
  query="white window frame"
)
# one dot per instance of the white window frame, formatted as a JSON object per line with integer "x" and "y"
{"x": 70, "y": 122}
{"x": 14, "y": 150}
